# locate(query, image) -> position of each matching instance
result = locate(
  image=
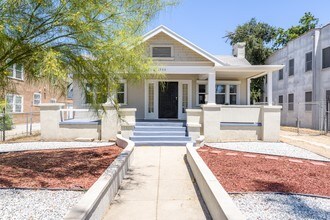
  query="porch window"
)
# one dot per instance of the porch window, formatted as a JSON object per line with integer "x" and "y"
{"x": 36, "y": 98}
{"x": 151, "y": 94}
{"x": 220, "y": 94}
{"x": 202, "y": 92}
{"x": 14, "y": 103}
{"x": 122, "y": 93}
{"x": 233, "y": 94}
{"x": 291, "y": 102}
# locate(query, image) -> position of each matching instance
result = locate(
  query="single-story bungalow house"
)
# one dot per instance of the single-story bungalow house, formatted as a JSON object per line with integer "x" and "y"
{"x": 209, "y": 94}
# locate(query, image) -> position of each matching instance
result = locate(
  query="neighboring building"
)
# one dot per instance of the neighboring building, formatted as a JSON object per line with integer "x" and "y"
{"x": 303, "y": 85}
{"x": 24, "y": 97}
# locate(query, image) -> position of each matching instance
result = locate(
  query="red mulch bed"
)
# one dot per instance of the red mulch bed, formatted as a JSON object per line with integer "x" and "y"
{"x": 238, "y": 173}
{"x": 67, "y": 168}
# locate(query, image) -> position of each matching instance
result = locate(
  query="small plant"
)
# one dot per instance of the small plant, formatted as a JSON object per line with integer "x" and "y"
{"x": 6, "y": 123}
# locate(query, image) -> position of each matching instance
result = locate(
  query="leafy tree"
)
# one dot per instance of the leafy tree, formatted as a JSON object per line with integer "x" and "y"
{"x": 97, "y": 41}
{"x": 306, "y": 23}
{"x": 258, "y": 37}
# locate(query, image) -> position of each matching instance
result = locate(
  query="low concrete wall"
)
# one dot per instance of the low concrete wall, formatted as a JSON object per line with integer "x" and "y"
{"x": 217, "y": 200}
{"x": 97, "y": 199}
{"x": 127, "y": 124}
{"x": 194, "y": 123}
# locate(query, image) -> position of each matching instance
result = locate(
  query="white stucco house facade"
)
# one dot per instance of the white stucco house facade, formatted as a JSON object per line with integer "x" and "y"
{"x": 210, "y": 93}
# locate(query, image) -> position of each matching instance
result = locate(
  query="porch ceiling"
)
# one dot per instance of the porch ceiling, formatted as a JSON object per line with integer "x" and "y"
{"x": 244, "y": 72}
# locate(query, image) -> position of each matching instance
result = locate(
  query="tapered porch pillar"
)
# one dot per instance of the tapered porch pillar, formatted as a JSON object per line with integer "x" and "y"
{"x": 270, "y": 88}
{"x": 211, "y": 89}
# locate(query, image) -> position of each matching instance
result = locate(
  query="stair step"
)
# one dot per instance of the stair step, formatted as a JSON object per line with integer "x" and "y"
{"x": 159, "y": 138}
{"x": 165, "y": 124}
{"x": 159, "y": 128}
{"x": 159, "y": 133}
{"x": 161, "y": 143}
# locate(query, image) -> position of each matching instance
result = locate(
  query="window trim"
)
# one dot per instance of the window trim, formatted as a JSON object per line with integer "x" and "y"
{"x": 37, "y": 93}
{"x": 201, "y": 82}
{"x": 311, "y": 52}
{"x": 14, "y": 101}
{"x": 162, "y": 45}
{"x": 13, "y": 71}
{"x": 125, "y": 92}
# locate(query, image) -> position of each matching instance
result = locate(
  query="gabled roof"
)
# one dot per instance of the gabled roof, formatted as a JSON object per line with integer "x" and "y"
{"x": 183, "y": 41}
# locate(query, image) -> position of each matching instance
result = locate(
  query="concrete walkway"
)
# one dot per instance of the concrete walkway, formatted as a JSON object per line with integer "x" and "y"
{"x": 158, "y": 186}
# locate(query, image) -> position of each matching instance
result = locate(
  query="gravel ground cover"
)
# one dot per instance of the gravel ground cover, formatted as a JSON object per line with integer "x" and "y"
{"x": 247, "y": 172}
{"x": 280, "y": 149}
{"x": 61, "y": 168}
{"x": 282, "y": 206}
{"x": 11, "y": 147}
{"x": 36, "y": 204}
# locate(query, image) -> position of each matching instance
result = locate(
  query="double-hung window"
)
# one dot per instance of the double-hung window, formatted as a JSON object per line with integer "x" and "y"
{"x": 220, "y": 94}
{"x": 291, "y": 67}
{"x": 308, "y": 61}
{"x": 14, "y": 103}
{"x": 16, "y": 71}
{"x": 326, "y": 57}
{"x": 36, "y": 98}
{"x": 308, "y": 101}
{"x": 202, "y": 93}
{"x": 291, "y": 102}
{"x": 233, "y": 94}
{"x": 280, "y": 74}
{"x": 122, "y": 93}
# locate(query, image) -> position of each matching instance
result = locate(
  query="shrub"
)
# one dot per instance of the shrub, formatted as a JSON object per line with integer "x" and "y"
{"x": 8, "y": 125}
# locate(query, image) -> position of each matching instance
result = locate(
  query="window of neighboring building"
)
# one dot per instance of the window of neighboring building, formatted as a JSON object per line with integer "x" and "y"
{"x": 308, "y": 61}
{"x": 16, "y": 71}
{"x": 291, "y": 67}
{"x": 14, "y": 103}
{"x": 36, "y": 98}
{"x": 202, "y": 92}
{"x": 280, "y": 74}
{"x": 291, "y": 102}
{"x": 326, "y": 57}
{"x": 233, "y": 94}
{"x": 220, "y": 94}
{"x": 53, "y": 100}
{"x": 122, "y": 93}
{"x": 308, "y": 100}
{"x": 161, "y": 51}
{"x": 280, "y": 100}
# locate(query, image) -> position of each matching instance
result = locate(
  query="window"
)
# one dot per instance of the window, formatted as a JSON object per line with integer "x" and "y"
{"x": 326, "y": 57}
{"x": 308, "y": 100}
{"x": 92, "y": 94}
{"x": 233, "y": 94}
{"x": 202, "y": 92}
{"x": 308, "y": 61}
{"x": 161, "y": 51}
{"x": 16, "y": 71}
{"x": 280, "y": 74}
{"x": 280, "y": 100}
{"x": 151, "y": 96}
{"x": 121, "y": 93}
{"x": 36, "y": 98}
{"x": 291, "y": 102}
{"x": 53, "y": 100}
{"x": 184, "y": 97}
{"x": 14, "y": 103}
{"x": 220, "y": 94}
{"x": 291, "y": 67}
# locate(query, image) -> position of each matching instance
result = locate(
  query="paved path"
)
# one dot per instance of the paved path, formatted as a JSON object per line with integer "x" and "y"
{"x": 158, "y": 186}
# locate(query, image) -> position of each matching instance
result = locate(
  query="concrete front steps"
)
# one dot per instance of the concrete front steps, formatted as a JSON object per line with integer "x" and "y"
{"x": 160, "y": 133}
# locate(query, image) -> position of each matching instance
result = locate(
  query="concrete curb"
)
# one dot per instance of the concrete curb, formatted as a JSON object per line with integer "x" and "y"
{"x": 217, "y": 200}
{"x": 97, "y": 199}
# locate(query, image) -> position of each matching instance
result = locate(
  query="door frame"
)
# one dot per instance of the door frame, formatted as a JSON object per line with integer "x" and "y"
{"x": 155, "y": 82}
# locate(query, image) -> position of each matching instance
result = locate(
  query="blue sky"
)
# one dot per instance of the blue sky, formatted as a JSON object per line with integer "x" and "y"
{"x": 205, "y": 22}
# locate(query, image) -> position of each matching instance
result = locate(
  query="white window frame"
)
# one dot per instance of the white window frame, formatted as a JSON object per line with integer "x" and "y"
{"x": 14, "y": 101}
{"x": 201, "y": 82}
{"x": 125, "y": 92}
{"x": 238, "y": 92}
{"x": 53, "y": 100}
{"x": 36, "y": 93}
{"x": 13, "y": 72}
{"x": 162, "y": 58}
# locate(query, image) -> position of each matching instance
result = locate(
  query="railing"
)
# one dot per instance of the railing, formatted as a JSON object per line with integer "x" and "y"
{"x": 71, "y": 114}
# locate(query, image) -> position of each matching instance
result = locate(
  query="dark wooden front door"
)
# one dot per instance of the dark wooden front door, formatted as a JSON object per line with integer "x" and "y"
{"x": 168, "y": 100}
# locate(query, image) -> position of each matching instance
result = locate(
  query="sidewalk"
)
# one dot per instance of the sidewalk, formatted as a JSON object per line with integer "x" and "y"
{"x": 319, "y": 144}
{"x": 159, "y": 186}
{"x": 20, "y": 131}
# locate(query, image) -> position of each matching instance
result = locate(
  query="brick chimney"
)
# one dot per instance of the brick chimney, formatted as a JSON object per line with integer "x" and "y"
{"x": 239, "y": 50}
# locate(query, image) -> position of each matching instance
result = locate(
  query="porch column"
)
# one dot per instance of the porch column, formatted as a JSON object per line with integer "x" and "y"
{"x": 211, "y": 89}
{"x": 248, "y": 91}
{"x": 270, "y": 88}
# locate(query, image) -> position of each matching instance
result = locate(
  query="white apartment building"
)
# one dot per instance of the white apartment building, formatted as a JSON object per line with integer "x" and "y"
{"x": 302, "y": 87}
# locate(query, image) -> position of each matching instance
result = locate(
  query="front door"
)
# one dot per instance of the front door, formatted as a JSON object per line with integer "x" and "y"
{"x": 168, "y": 100}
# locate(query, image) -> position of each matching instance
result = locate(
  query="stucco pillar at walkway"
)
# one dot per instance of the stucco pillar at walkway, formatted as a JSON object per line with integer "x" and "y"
{"x": 211, "y": 88}
{"x": 270, "y": 88}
